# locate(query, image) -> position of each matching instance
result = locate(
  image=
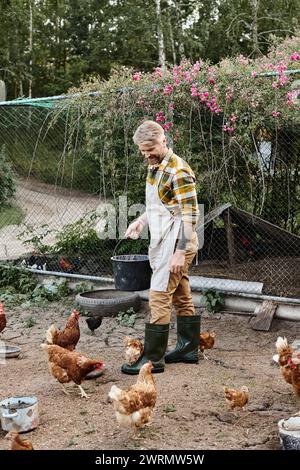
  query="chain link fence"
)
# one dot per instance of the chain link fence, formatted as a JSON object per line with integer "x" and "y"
{"x": 60, "y": 186}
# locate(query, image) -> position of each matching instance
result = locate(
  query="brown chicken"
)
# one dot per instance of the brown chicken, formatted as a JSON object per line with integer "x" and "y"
{"x": 2, "y": 318}
{"x": 66, "y": 366}
{"x": 294, "y": 364}
{"x": 285, "y": 353}
{"x": 236, "y": 398}
{"x": 69, "y": 336}
{"x": 134, "y": 406}
{"x": 133, "y": 349}
{"x": 17, "y": 443}
{"x": 207, "y": 341}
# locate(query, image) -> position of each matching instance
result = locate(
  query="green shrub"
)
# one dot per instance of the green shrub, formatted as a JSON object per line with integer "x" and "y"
{"x": 7, "y": 179}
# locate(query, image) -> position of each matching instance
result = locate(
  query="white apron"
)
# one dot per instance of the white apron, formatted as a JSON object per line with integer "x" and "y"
{"x": 164, "y": 229}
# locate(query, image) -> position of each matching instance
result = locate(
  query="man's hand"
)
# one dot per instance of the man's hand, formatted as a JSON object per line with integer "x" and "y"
{"x": 177, "y": 261}
{"x": 134, "y": 230}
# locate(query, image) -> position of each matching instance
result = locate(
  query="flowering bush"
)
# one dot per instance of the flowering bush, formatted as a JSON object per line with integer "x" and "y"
{"x": 215, "y": 117}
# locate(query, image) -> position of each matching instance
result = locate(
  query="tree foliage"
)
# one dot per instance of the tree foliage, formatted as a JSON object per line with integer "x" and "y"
{"x": 73, "y": 40}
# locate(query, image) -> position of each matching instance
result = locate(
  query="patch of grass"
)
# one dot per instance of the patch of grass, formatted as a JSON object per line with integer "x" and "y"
{"x": 72, "y": 441}
{"x": 30, "y": 322}
{"x": 170, "y": 408}
{"x": 90, "y": 431}
{"x": 11, "y": 215}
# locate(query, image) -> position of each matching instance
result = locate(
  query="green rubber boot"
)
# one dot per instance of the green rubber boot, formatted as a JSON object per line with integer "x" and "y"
{"x": 156, "y": 341}
{"x": 188, "y": 337}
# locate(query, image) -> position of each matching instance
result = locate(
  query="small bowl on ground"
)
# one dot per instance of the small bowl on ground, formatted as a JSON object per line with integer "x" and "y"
{"x": 7, "y": 351}
{"x": 19, "y": 413}
{"x": 289, "y": 433}
{"x": 94, "y": 374}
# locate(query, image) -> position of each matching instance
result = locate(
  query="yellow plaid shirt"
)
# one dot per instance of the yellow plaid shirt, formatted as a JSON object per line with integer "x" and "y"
{"x": 177, "y": 186}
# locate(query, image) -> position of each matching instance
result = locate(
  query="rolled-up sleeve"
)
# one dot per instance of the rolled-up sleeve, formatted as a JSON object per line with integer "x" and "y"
{"x": 184, "y": 191}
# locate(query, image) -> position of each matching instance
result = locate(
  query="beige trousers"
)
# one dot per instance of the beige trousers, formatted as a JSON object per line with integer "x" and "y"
{"x": 178, "y": 294}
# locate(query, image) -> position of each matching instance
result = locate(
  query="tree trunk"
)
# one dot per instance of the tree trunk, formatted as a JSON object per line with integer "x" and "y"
{"x": 254, "y": 27}
{"x": 179, "y": 21}
{"x": 160, "y": 36}
{"x": 172, "y": 39}
{"x": 30, "y": 47}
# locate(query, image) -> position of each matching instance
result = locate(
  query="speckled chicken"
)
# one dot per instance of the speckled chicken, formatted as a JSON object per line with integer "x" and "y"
{"x": 133, "y": 407}
{"x": 236, "y": 398}
{"x": 17, "y": 443}
{"x": 133, "y": 349}
{"x": 294, "y": 364}
{"x": 207, "y": 341}
{"x": 2, "y": 318}
{"x": 66, "y": 366}
{"x": 69, "y": 336}
{"x": 285, "y": 353}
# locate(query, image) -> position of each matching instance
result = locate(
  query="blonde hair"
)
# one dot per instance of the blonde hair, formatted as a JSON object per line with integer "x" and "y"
{"x": 148, "y": 133}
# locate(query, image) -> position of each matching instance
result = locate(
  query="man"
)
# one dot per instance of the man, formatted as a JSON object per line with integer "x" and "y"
{"x": 171, "y": 214}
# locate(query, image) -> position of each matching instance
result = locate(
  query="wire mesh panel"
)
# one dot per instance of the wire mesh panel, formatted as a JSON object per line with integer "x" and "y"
{"x": 68, "y": 174}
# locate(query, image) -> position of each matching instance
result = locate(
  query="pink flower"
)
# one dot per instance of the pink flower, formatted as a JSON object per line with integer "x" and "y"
{"x": 168, "y": 125}
{"x": 171, "y": 107}
{"x": 275, "y": 113}
{"x": 136, "y": 76}
{"x": 194, "y": 91}
{"x": 233, "y": 118}
{"x": 283, "y": 80}
{"x": 204, "y": 96}
{"x": 228, "y": 97}
{"x": 292, "y": 97}
{"x": 211, "y": 81}
{"x": 253, "y": 74}
{"x": 280, "y": 67}
{"x": 158, "y": 72}
{"x": 196, "y": 67}
{"x": 271, "y": 66}
{"x": 187, "y": 76}
{"x": 228, "y": 129}
{"x": 295, "y": 56}
{"x": 274, "y": 85}
{"x": 168, "y": 89}
{"x": 160, "y": 117}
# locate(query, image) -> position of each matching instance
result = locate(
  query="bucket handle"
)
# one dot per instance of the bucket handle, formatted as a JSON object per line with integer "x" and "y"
{"x": 5, "y": 414}
{"x": 115, "y": 248}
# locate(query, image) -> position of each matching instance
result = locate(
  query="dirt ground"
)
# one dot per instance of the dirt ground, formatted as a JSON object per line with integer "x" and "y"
{"x": 190, "y": 413}
{"x": 44, "y": 204}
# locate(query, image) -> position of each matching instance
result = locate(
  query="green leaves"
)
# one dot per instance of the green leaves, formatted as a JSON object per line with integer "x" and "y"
{"x": 214, "y": 300}
{"x": 127, "y": 318}
{"x": 20, "y": 287}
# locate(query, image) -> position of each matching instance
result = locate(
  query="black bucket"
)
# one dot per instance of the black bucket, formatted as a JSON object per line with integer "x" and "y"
{"x": 131, "y": 272}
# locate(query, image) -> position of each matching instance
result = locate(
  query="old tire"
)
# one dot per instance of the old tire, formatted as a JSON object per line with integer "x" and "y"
{"x": 108, "y": 302}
